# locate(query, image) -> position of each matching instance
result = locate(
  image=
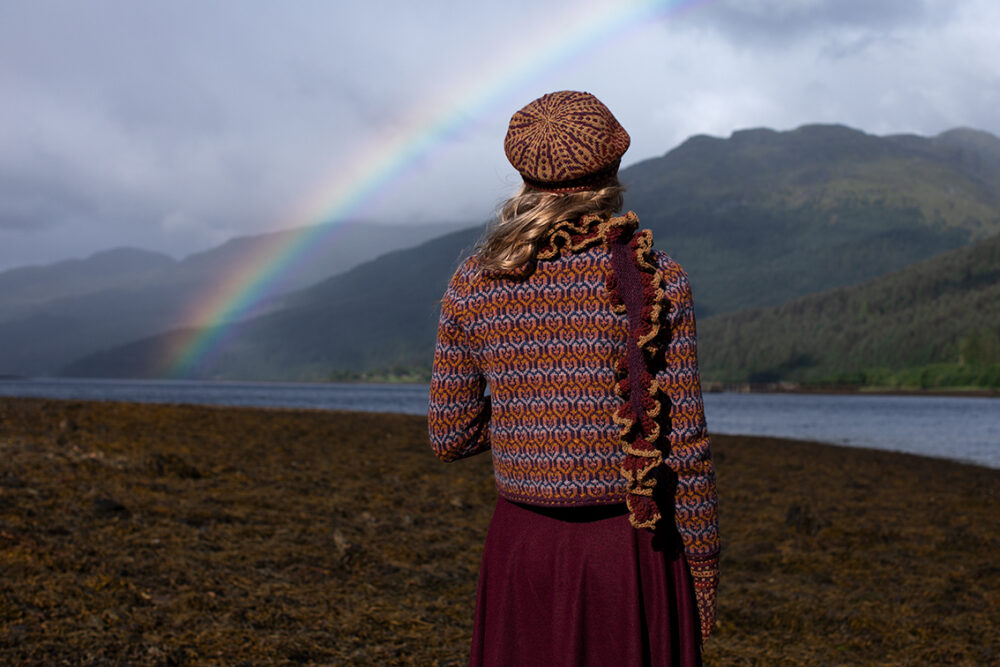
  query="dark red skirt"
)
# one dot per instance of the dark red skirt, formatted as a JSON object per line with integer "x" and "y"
{"x": 580, "y": 586}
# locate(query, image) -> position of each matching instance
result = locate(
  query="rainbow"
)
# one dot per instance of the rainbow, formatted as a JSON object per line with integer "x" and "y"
{"x": 327, "y": 211}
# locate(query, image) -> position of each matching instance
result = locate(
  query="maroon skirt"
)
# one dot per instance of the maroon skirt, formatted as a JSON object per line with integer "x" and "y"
{"x": 580, "y": 586}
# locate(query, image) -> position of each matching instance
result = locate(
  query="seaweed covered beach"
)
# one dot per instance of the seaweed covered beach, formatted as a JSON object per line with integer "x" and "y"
{"x": 182, "y": 535}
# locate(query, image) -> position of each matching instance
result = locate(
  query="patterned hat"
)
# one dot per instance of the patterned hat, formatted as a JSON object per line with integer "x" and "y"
{"x": 565, "y": 141}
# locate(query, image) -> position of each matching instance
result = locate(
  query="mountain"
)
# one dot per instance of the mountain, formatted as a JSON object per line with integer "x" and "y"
{"x": 25, "y": 287}
{"x": 756, "y": 219}
{"x": 973, "y": 152}
{"x": 765, "y": 216}
{"x": 51, "y": 315}
{"x": 944, "y": 310}
{"x": 381, "y": 313}
{"x": 328, "y": 253}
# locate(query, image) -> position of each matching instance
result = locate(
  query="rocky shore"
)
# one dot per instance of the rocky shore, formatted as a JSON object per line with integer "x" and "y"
{"x": 174, "y": 535}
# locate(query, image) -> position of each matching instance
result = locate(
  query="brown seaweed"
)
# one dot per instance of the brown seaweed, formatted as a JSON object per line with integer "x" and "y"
{"x": 173, "y": 535}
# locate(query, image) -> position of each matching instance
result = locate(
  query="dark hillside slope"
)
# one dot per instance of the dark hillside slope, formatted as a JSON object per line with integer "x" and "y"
{"x": 944, "y": 310}
{"x": 765, "y": 216}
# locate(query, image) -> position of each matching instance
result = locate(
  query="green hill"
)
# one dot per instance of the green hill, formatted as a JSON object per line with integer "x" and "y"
{"x": 935, "y": 323}
{"x": 756, "y": 219}
{"x": 765, "y": 216}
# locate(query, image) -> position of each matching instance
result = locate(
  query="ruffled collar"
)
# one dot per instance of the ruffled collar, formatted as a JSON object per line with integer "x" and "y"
{"x": 574, "y": 236}
{"x": 579, "y": 235}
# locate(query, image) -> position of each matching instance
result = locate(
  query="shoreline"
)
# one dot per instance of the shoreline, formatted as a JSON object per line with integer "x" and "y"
{"x": 930, "y": 458}
{"x": 975, "y": 457}
{"x": 707, "y": 386}
{"x": 847, "y": 390}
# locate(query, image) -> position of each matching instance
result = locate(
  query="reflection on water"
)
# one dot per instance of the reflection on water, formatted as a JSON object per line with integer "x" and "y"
{"x": 966, "y": 429}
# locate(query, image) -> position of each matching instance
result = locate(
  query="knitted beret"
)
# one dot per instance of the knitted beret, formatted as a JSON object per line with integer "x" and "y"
{"x": 565, "y": 141}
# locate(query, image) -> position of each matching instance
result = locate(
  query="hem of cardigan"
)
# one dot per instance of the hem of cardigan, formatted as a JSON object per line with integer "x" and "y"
{"x": 586, "y": 501}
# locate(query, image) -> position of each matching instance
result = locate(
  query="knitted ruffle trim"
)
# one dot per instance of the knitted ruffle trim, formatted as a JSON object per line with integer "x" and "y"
{"x": 637, "y": 417}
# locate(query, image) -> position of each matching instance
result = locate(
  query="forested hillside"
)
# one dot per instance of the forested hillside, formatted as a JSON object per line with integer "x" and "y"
{"x": 935, "y": 323}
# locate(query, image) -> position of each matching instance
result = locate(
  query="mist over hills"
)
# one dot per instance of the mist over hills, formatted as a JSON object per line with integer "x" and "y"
{"x": 24, "y": 287}
{"x": 381, "y": 313}
{"x": 757, "y": 219}
{"x": 51, "y": 315}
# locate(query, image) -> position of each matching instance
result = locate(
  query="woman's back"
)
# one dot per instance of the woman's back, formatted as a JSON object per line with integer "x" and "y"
{"x": 547, "y": 346}
{"x": 584, "y": 335}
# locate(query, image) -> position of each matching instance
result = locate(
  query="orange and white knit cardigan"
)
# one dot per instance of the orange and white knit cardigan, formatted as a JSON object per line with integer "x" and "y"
{"x": 582, "y": 409}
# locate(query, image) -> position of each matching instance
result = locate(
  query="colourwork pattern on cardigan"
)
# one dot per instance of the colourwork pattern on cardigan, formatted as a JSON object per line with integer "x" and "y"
{"x": 639, "y": 298}
{"x": 549, "y": 343}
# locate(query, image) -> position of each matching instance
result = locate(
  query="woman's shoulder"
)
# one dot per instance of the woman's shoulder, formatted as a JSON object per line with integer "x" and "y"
{"x": 465, "y": 277}
{"x": 675, "y": 278}
{"x": 468, "y": 269}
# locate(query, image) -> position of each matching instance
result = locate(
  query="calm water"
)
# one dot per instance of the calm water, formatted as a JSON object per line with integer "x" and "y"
{"x": 965, "y": 429}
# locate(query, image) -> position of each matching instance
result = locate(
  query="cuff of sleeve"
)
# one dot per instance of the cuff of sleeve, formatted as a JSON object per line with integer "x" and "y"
{"x": 705, "y": 574}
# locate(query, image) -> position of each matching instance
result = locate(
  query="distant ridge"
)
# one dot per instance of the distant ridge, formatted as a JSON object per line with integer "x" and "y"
{"x": 381, "y": 313}
{"x": 51, "y": 315}
{"x": 27, "y": 285}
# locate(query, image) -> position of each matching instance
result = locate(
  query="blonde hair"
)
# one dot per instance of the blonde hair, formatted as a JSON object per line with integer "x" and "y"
{"x": 513, "y": 238}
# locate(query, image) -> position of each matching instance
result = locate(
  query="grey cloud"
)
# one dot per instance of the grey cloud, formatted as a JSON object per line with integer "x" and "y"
{"x": 850, "y": 46}
{"x": 22, "y": 219}
{"x": 778, "y": 22}
{"x": 32, "y": 200}
{"x": 170, "y": 124}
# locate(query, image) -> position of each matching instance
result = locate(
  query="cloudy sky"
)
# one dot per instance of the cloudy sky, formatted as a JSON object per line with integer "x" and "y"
{"x": 174, "y": 125}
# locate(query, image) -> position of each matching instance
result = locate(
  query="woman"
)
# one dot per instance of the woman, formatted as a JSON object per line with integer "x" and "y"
{"x": 603, "y": 546}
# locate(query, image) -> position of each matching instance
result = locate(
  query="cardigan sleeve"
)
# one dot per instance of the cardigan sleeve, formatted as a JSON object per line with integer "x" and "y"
{"x": 458, "y": 417}
{"x": 696, "y": 499}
